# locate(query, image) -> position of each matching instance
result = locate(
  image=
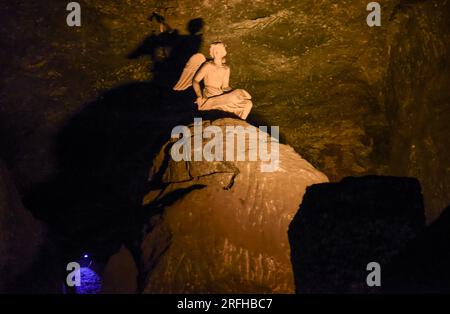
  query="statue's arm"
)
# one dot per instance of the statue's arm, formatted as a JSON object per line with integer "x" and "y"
{"x": 198, "y": 77}
{"x": 197, "y": 88}
{"x": 226, "y": 81}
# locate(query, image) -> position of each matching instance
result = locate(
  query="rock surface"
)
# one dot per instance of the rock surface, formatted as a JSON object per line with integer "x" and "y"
{"x": 213, "y": 237}
{"x": 352, "y": 100}
{"x": 342, "y": 227}
{"x": 21, "y": 235}
{"x": 120, "y": 274}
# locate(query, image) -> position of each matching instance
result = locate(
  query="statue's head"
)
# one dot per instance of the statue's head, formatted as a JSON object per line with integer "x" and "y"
{"x": 195, "y": 26}
{"x": 218, "y": 50}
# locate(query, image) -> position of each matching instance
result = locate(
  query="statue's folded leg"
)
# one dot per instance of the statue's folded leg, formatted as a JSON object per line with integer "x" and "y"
{"x": 242, "y": 93}
{"x": 242, "y": 102}
{"x": 236, "y": 102}
{"x": 247, "y": 107}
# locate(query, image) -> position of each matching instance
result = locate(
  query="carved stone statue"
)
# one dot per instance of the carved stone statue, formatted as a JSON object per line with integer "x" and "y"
{"x": 215, "y": 74}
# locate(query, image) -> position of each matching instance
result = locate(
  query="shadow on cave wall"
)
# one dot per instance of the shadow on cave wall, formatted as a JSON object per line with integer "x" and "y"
{"x": 169, "y": 51}
{"x": 104, "y": 153}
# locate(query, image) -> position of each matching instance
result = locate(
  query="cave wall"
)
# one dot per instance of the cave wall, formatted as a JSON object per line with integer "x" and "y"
{"x": 21, "y": 235}
{"x": 417, "y": 103}
{"x": 342, "y": 93}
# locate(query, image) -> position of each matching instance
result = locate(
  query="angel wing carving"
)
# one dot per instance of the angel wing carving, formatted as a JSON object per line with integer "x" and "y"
{"x": 191, "y": 67}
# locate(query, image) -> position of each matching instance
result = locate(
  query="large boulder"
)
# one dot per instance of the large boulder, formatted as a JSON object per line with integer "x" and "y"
{"x": 21, "y": 235}
{"x": 222, "y": 226}
{"x": 423, "y": 267}
{"x": 342, "y": 227}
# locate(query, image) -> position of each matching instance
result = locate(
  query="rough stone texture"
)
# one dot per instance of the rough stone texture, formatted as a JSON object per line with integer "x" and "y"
{"x": 351, "y": 99}
{"x": 215, "y": 237}
{"x": 342, "y": 227}
{"x": 417, "y": 99}
{"x": 120, "y": 274}
{"x": 21, "y": 235}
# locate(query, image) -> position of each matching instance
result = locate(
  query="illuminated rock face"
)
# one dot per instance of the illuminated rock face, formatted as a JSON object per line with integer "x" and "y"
{"x": 212, "y": 239}
{"x": 353, "y": 100}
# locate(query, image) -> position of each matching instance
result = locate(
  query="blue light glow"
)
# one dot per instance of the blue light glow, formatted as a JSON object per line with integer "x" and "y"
{"x": 91, "y": 282}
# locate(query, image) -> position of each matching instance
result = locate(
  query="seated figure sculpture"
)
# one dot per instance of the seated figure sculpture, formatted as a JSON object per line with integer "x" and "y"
{"x": 215, "y": 74}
